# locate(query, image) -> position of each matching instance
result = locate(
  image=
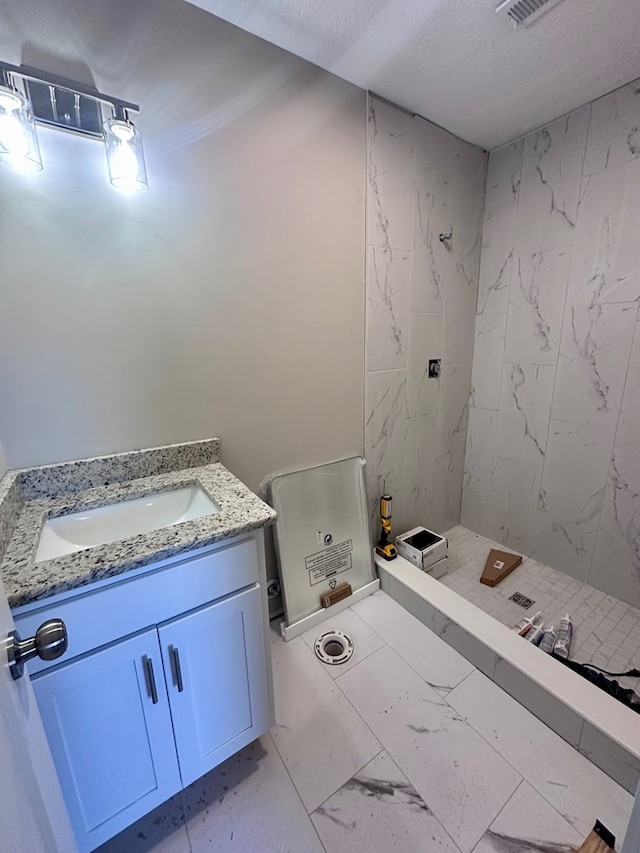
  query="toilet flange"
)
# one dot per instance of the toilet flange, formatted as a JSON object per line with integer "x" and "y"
{"x": 333, "y": 647}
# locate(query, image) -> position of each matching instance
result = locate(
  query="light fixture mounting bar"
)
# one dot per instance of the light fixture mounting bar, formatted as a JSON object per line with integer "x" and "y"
{"x": 26, "y": 72}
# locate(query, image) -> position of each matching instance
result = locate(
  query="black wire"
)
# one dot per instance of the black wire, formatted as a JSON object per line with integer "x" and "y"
{"x": 634, "y": 673}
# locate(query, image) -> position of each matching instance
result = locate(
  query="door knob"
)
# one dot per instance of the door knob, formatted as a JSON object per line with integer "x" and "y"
{"x": 49, "y": 643}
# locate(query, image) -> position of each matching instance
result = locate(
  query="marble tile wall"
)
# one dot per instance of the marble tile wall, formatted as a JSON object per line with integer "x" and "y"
{"x": 553, "y": 448}
{"x": 421, "y": 304}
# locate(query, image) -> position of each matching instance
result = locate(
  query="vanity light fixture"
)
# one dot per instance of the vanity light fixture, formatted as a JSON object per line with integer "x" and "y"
{"x": 125, "y": 156}
{"x": 29, "y": 96}
{"x": 18, "y": 136}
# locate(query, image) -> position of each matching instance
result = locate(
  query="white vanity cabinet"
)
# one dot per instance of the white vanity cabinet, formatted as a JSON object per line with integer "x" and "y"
{"x": 167, "y": 674}
{"x": 112, "y": 744}
{"x": 216, "y": 679}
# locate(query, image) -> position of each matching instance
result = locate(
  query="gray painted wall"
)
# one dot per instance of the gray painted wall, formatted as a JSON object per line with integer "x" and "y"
{"x": 227, "y": 300}
{"x": 553, "y": 455}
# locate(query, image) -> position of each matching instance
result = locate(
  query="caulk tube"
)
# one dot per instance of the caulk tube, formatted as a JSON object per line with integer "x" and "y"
{"x": 524, "y": 626}
{"x": 565, "y": 632}
{"x": 548, "y": 640}
{"x": 535, "y": 634}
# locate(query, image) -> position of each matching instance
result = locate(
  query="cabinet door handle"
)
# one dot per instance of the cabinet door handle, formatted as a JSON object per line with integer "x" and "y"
{"x": 175, "y": 657}
{"x": 151, "y": 679}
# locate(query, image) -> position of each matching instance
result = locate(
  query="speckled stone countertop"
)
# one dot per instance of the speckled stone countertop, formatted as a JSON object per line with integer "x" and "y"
{"x": 28, "y": 497}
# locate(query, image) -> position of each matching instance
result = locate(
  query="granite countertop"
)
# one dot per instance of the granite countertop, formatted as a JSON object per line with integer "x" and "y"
{"x": 29, "y": 496}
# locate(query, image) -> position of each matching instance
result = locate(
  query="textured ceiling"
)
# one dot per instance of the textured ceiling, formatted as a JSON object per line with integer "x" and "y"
{"x": 456, "y": 62}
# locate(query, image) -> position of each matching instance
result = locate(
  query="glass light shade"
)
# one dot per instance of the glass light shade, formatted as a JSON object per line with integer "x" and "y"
{"x": 125, "y": 156}
{"x": 18, "y": 137}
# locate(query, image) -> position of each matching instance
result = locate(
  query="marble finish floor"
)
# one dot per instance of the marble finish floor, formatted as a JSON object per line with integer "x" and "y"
{"x": 606, "y": 630}
{"x": 407, "y": 747}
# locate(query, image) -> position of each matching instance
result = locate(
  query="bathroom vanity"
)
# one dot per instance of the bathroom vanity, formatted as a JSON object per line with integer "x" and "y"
{"x": 167, "y": 670}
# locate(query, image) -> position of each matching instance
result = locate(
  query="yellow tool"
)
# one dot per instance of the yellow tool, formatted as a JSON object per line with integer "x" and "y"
{"x": 384, "y": 547}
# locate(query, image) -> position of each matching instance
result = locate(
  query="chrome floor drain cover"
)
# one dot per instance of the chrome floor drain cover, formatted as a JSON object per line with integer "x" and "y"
{"x": 333, "y": 647}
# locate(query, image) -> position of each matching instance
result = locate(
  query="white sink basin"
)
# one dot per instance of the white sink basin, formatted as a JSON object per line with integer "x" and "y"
{"x": 81, "y": 530}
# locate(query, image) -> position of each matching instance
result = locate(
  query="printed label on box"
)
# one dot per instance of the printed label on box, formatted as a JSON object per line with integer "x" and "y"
{"x": 332, "y": 561}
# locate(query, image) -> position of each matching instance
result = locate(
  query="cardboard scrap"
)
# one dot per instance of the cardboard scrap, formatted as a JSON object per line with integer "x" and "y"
{"x": 499, "y": 564}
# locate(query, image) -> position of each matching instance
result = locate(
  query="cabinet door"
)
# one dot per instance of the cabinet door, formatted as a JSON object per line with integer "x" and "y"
{"x": 215, "y": 666}
{"x": 109, "y": 729}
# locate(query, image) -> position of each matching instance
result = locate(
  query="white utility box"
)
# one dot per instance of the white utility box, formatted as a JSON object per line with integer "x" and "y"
{"x": 425, "y": 549}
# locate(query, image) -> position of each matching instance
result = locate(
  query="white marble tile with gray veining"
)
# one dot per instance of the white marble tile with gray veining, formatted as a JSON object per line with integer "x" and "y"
{"x": 616, "y": 558}
{"x": 594, "y": 352}
{"x": 390, "y": 175}
{"x": 536, "y": 307}
{"x": 425, "y": 343}
{"x": 379, "y": 810}
{"x": 387, "y": 308}
{"x": 573, "y": 484}
{"x": 634, "y": 360}
{"x": 511, "y": 511}
{"x": 467, "y": 189}
{"x": 475, "y": 510}
{"x": 247, "y": 803}
{"x": 432, "y": 261}
{"x": 481, "y": 436}
{"x": 503, "y": 177}
{"x": 488, "y": 352}
{"x": 463, "y": 781}
{"x": 525, "y": 407}
{"x": 550, "y": 185}
{"x": 606, "y": 251}
{"x": 498, "y": 241}
{"x": 434, "y": 660}
{"x": 448, "y": 479}
{"x": 529, "y": 823}
{"x": 385, "y": 416}
{"x": 418, "y": 461}
{"x": 459, "y": 321}
{"x": 319, "y": 736}
{"x": 614, "y": 129}
{"x": 605, "y": 753}
{"x": 576, "y": 789}
{"x": 453, "y": 413}
{"x": 628, "y": 432}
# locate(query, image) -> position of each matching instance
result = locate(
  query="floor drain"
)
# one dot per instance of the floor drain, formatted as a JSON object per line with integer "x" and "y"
{"x": 521, "y": 599}
{"x": 333, "y": 647}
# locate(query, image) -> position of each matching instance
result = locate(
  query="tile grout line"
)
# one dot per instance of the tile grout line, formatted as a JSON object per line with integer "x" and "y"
{"x": 184, "y": 818}
{"x": 293, "y": 784}
{"x": 405, "y": 771}
{"x": 406, "y": 661}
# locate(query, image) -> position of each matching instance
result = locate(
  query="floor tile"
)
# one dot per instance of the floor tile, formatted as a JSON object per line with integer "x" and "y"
{"x": 529, "y": 823}
{"x": 379, "y": 811}
{"x": 433, "y": 659}
{"x": 565, "y": 778}
{"x": 365, "y": 640}
{"x": 162, "y": 831}
{"x": 606, "y": 630}
{"x": 321, "y": 739}
{"x": 249, "y": 803}
{"x": 562, "y": 719}
{"x": 459, "y": 776}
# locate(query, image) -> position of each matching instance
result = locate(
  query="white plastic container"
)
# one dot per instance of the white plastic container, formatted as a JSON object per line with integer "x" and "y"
{"x": 535, "y": 634}
{"x": 549, "y": 640}
{"x": 525, "y": 625}
{"x": 565, "y": 633}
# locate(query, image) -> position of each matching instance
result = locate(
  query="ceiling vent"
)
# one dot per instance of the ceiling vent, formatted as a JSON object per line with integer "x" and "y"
{"x": 525, "y": 11}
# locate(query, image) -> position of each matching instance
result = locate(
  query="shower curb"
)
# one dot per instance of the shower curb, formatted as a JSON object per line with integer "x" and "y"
{"x": 605, "y": 731}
